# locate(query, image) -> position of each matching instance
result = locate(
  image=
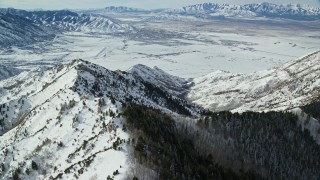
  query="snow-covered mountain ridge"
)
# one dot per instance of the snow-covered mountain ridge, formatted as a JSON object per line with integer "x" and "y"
{"x": 286, "y": 87}
{"x": 207, "y": 10}
{"x": 64, "y": 20}
{"x": 69, "y": 116}
{"x": 291, "y": 85}
{"x": 69, "y": 130}
{"x": 65, "y": 121}
{"x": 289, "y": 11}
{"x": 36, "y": 86}
{"x": 16, "y": 30}
{"x": 21, "y": 28}
{"x": 172, "y": 84}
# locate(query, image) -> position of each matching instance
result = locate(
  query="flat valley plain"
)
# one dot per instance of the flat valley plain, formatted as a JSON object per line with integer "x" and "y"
{"x": 185, "y": 46}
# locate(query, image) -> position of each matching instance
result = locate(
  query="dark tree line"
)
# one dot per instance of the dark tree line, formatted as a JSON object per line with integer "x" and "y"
{"x": 175, "y": 104}
{"x": 270, "y": 144}
{"x": 159, "y": 146}
{"x": 223, "y": 145}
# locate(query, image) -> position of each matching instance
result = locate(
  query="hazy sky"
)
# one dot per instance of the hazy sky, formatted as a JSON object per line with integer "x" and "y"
{"x": 150, "y": 4}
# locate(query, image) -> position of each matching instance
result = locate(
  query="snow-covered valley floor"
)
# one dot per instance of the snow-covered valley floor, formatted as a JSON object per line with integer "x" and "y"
{"x": 188, "y": 51}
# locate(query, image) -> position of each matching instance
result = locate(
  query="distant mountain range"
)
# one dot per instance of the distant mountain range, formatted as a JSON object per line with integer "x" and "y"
{"x": 20, "y": 27}
{"x": 17, "y": 30}
{"x": 296, "y": 12}
{"x": 119, "y": 9}
{"x": 64, "y": 20}
{"x": 209, "y": 10}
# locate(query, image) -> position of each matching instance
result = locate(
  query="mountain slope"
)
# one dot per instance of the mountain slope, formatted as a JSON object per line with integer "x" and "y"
{"x": 172, "y": 84}
{"x": 85, "y": 79}
{"x": 64, "y": 20}
{"x": 291, "y": 85}
{"x": 66, "y": 121}
{"x": 60, "y": 126}
{"x": 68, "y": 115}
{"x": 16, "y": 31}
{"x": 296, "y": 12}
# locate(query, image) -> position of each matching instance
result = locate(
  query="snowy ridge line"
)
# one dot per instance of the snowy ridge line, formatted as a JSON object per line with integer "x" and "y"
{"x": 19, "y": 31}
{"x": 289, "y": 11}
{"x": 291, "y": 85}
{"x": 21, "y": 28}
{"x": 173, "y": 84}
{"x": 301, "y": 59}
{"x": 65, "y": 20}
{"x": 75, "y": 128}
{"x": 208, "y": 10}
{"x": 85, "y": 71}
{"x": 151, "y": 83}
{"x": 37, "y": 90}
{"x": 41, "y": 128}
{"x": 74, "y": 121}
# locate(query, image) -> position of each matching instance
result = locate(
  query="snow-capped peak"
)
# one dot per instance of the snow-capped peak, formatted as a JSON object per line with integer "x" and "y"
{"x": 288, "y": 11}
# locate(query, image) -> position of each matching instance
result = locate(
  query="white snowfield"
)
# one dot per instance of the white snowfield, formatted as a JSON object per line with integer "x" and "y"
{"x": 188, "y": 58}
{"x": 291, "y": 85}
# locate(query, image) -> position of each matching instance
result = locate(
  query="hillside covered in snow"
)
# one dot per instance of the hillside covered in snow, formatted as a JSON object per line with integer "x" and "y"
{"x": 292, "y": 85}
{"x": 127, "y": 93}
{"x": 20, "y": 27}
{"x": 72, "y": 114}
{"x": 16, "y": 30}
{"x": 78, "y": 120}
{"x": 64, "y": 20}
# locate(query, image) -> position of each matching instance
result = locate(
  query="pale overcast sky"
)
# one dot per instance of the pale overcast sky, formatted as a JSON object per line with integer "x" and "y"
{"x": 149, "y": 4}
